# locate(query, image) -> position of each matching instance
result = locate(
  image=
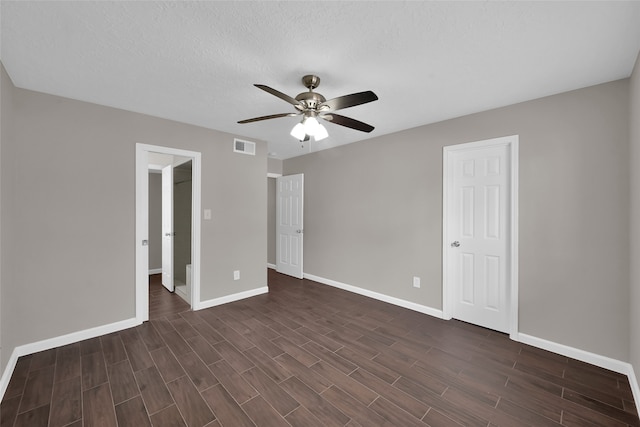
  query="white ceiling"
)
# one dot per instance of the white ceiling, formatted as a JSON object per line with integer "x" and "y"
{"x": 196, "y": 62}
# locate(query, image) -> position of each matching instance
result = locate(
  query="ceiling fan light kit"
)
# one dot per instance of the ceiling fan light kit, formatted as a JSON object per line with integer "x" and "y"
{"x": 312, "y": 105}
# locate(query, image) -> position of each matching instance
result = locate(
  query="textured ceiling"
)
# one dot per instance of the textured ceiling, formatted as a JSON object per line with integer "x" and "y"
{"x": 196, "y": 62}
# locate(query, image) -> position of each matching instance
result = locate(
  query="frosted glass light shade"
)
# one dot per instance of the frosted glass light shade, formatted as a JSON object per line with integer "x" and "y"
{"x": 321, "y": 132}
{"x": 311, "y": 125}
{"x": 298, "y": 132}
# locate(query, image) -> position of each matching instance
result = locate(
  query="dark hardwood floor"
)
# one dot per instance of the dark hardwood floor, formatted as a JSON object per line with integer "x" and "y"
{"x": 308, "y": 355}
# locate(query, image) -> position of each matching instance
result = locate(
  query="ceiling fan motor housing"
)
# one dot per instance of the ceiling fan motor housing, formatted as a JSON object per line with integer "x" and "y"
{"x": 310, "y": 99}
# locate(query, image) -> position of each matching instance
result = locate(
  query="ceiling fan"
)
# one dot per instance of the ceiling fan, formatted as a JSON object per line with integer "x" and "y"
{"x": 312, "y": 105}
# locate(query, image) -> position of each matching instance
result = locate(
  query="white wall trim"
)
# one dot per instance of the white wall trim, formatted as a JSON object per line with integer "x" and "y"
{"x": 273, "y": 175}
{"x": 231, "y": 298}
{"x": 575, "y": 353}
{"x": 447, "y": 183}
{"x": 25, "y": 349}
{"x": 271, "y": 266}
{"x": 375, "y": 295}
{"x": 155, "y": 271}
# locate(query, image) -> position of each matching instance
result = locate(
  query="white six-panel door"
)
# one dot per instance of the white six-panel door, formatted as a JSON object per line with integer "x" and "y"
{"x": 289, "y": 224}
{"x": 478, "y": 235}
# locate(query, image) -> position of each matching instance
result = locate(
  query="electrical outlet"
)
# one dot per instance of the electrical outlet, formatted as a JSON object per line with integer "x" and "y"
{"x": 416, "y": 282}
{"x": 236, "y": 275}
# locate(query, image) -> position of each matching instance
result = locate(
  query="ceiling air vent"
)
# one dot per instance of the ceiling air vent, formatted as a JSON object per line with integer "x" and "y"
{"x": 244, "y": 147}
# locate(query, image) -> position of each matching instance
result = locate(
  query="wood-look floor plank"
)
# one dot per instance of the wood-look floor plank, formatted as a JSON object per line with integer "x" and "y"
{"x": 97, "y": 407}
{"x": 233, "y": 356}
{"x": 233, "y": 382}
{"x": 43, "y": 359}
{"x": 123, "y": 382}
{"x": 94, "y": 370}
{"x": 263, "y": 414}
{"x": 321, "y": 408}
{"x": 191, "y": 404}
{"x": 36, "y": 417}
{"x": 301, "y": 417}
{"x": 167, "y": 364}
{"x": 68, "y": 362}
{"x": 269, "y": 366}
{"x": 113, "y": 349}
{"x": 168, "y": 417}
{"x": 195, "y": 368}
{"x": 66, "y": 403}
{"x": 270, "y": 391}
{"x": 153, "y": 389}
{"x": 150, "y": 336}
{"x": 335, "y": 360}
{"x": 226, "y": 409}
{"x": 353, "y": 408}
{"x": 312, "y": 379}
{"x": 18, "y": 378}
{"x": 37, "y": 391}
{"x": 393, "y": 415}
{"x": 132, "y": 413}
{"x": 9, "y": 411}
{"x": 204, "y": 350}
{"x": 391, "y": 393}
{"x": 363, "y": 394}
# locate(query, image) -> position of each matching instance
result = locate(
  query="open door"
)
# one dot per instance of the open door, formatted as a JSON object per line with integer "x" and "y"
{"x": 167, "y": 227}
{"x": 289, "y": 224}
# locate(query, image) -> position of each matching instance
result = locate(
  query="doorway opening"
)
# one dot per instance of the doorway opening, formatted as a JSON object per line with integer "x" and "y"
{"x": 179, "y": 237}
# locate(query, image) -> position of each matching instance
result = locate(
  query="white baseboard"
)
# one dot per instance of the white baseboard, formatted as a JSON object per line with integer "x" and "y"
{"x": 605, "y": 362}
{"x": 155, "y": 271}
{"x": 375, "y": 295}
{"x": 271, "y": 266}
{"x": 575, "y": 353}
{"x": 230, "y": 298}
{"x": 47, "y": 344}
{"x": 8, "y": 371}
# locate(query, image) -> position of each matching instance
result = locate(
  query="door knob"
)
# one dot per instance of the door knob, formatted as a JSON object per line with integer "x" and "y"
{"x": 455, "y": 244}
{"x": 298, "y": 231}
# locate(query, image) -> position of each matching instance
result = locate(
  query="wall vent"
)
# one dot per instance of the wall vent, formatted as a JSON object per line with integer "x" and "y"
{"x": 244, "y": 147}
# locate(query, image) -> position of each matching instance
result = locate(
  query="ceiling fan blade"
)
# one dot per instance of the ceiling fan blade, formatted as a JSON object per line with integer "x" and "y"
{"x": 272, "y": 116}
{"x": 348, "y": 122}
{"x": 280, "y": 95}
{"x": 347, "y": 101}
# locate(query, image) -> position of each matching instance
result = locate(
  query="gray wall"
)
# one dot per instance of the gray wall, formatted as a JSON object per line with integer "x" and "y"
{"x": 634, "y": 300}
{"x": 155, "y": 220}
{"x": 6, "y": 134}
{"x": 274, "y": 166}
{"x": 63, "y": 273}
{"x": 373, "y": 213}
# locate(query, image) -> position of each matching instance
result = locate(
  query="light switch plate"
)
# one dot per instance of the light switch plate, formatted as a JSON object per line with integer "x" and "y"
{"x": 207, "y": 214}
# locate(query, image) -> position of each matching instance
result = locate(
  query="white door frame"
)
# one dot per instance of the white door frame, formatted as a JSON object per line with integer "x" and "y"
{"x": 447, "y": 187}
{"x": 142, "y": 226}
